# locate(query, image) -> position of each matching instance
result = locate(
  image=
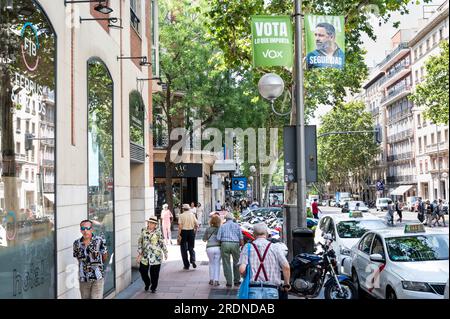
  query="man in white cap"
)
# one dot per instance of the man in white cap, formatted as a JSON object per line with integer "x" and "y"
{"x": 187, "y": 227}
{"x": 230, "y": 237}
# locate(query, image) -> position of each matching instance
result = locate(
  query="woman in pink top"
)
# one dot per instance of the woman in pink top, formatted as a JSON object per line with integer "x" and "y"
{"x": 166, "y": 217}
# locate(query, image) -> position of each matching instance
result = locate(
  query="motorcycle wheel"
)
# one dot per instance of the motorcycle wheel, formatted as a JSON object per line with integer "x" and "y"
{"x": 349, "y": 291}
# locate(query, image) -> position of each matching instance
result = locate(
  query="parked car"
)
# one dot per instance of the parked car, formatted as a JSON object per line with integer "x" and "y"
{"x": 355, "y": 205}
{"x": 345, "y": 229}
{"x": 411, "y": 203}
{"x": 382, "y": 203}
{"x": 404, "y": 263}
{"x": 344, "y": 200}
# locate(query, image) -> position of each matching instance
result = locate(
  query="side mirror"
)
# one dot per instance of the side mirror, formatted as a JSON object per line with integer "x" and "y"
{"x": 377, "y": 258}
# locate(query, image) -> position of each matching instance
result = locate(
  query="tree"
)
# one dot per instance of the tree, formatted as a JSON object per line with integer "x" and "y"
{"x": 433, "y": 92}
{"x": 344, "y": 155}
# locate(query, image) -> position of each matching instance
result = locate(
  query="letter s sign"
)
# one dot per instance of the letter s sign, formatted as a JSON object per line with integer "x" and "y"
{"x": 239, "y": 184}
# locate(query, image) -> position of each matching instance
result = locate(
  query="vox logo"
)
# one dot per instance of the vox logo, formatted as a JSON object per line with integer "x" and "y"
{"x": 272, "y": 54}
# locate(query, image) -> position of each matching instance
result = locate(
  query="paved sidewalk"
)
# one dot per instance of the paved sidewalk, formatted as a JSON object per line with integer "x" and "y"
{"x": 177, "y": 283}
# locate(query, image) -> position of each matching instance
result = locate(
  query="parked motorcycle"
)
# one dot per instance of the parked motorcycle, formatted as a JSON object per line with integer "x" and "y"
{"x": 309, "y": 272}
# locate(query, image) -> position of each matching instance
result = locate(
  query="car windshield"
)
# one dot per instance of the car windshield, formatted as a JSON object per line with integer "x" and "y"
{"x": 357, "y": 228}
{"x": 418, "y": 248}
{"x": 352, "y": 205}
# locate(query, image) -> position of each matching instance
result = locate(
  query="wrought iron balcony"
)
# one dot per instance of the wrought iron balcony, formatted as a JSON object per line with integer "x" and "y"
{"x": 437, "y": 148}
{"x": 401, "y": 46}
{"x": 402, "y": 179}
{"x": 400, "y": 136}
{"x": 392, "y": 94}
{"x": 400, "y": 157}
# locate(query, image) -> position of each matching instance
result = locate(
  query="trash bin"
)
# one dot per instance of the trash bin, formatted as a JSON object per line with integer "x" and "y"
{"x": 302, "y": 241}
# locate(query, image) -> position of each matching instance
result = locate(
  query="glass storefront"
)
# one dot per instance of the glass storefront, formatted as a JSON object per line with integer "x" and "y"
{"x": 100, "y": 160}
{"x": 27, "y": 151}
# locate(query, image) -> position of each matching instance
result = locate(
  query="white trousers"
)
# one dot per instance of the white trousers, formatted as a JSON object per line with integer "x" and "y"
{"x": 214, "y": 262}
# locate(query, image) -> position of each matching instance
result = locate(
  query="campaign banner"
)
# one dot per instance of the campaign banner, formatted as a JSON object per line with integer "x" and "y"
{"x": 325, "y": 41}
{"x": 272, "y": 41}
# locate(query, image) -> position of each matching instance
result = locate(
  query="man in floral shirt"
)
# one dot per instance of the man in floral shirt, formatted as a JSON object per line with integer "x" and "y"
{"x": 151, "y": 248}
{"x": 91, "y": 252}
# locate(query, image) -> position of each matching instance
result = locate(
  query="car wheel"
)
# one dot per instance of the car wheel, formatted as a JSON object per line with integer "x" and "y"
{"x": 359, "y": 291}
{"x": 390, "y": 294}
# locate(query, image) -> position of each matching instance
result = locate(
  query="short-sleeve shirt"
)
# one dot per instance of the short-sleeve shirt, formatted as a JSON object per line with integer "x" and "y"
{"x": 90, "y": 261}
{"x": 230, "y": 232}
{"x": 187, "y": 221}
{"x": 273, "y": 263}
{"x": 151, "y": 247}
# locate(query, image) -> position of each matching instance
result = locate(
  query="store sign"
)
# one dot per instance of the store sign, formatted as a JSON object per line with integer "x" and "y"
{"x": 239, "y": 183}
{"x": 30, "y": 46}
{"x": 272, "y": 41}
{"x": 325, "y": 41}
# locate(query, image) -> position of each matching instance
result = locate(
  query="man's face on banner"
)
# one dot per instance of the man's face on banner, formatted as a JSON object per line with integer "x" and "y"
{"x": 323, "y": 40}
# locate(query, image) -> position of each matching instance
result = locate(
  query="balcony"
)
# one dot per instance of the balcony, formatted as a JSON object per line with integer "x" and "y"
{"x": 396, "y": 94}
{"x": 48, "y": 163}
{"x": 160, "y": 141}
{"x": 375, "y": 111}
{"x": 396, "y": 74}
{"x": 400, "y": 157}
{"x": 402, "y": 179}
{"x": 400, "y": 136}
{"x": 398, "y": 116}
{"x": 21, "y": 158}
{"x": 393, "y": 57}
{"x": 436, "y": 148}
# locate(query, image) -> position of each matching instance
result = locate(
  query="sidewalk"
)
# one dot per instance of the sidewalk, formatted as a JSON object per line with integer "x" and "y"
{"x": 177, "y": 283}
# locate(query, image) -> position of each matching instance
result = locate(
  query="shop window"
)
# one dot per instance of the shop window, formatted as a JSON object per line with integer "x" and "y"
{"x": 27, "y": 229}
{"x": 100, "y": 159}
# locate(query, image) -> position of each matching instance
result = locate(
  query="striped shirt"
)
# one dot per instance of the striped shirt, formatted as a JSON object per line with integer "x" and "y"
{"x": 230, "y": 231}
{"x": 273, "y": 262}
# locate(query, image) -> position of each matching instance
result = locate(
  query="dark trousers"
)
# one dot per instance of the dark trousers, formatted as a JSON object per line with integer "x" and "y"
{"x": 187, "y": 244}
{"x": 154, "y": 275}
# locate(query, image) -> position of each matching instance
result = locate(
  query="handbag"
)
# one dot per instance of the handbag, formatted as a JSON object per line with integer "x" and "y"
{"x": 245, "y": 285}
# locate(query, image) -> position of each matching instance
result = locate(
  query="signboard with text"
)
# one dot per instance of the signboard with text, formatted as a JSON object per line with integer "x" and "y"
{"x": 272, "y": 43}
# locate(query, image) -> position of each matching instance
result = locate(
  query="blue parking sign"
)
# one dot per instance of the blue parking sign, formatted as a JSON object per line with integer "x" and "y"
{"x": 239, "y": 183}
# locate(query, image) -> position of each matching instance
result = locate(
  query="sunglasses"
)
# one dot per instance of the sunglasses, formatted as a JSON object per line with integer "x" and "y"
{"x": 85, "y": 228}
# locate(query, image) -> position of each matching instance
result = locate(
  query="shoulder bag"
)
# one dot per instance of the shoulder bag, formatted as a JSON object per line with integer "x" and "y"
{"x": 245, "y": 285}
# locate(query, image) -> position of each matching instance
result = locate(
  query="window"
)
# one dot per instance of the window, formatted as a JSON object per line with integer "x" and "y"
{"x": 26, "y": 175}
{"x": 434, "y": 38}
{"x": 135, "y": 10}
{"x": 377, "y": 247}
{"x": 438, "y": 137}
{"x": 426, "y": 166}
{"x": 420, "y": 145}
{"x": 32, "y": 175}
{"x": 428, "y": 44}
{"x": 433, "y": 163}
{"x": 420, "y": 50}
{"x": 33, "y": 128}
{"x": 365, "y": 243}
{"x": 27, "y": 127}
{"x": 446, "y": 136}
{"x": 18, "y": 125}
{"x": 421, "y": 167}
{"x": 417, "y": 75}
{"x": 432, "y": 138}
{"x": 425, "y": 144}
{"x": 441, "y": 34}
{"x": 17, "y": 147}
{"x": 418, "y": 119}
{"x": 415, "y": 55}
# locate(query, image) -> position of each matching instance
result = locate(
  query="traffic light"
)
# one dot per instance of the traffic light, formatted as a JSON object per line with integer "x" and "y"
{"x": 28, "y": 141}
{"x": 378, "y": 134}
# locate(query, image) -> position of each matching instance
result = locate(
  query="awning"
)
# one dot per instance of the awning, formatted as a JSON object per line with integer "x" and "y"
{"x": 401, "y": 189}
{"x": 50, "y": 197}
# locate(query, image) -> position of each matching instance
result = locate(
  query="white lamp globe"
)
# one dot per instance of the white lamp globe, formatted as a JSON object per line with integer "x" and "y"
{"x": 270, "y": 86}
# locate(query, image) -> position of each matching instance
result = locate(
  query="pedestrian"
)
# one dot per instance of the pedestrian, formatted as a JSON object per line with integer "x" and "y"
{"x": 441, "y": 212}
{"x": 92, "y": 254}
{"x": 429, "y": 213}
{"x": 199, "y": 215}
{"x": 231, "y": 238}
{"x": 399, "y": 211}
{"x": 315, "y": 208}
{"x": 166, "y": 221}
{"x": 254, "y": 204}
{"x": 151, "y": 248}
{"x": 187, "y": 227}
{"x": 420, "y": 210}
{"x": 267, "y": 262}
{"x": 218, "y": 206}
{"x": 213, "y": 249}
{"x": 435, "y": 214}
{"x": 390, "y": 213}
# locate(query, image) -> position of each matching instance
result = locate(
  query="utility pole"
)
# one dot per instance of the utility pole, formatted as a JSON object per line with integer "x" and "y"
{"x": 300, "y": 118}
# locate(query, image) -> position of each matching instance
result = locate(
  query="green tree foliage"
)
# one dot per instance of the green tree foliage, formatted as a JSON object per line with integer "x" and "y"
{"x": 342, "y": 155}
{"x": 433, "y": 92}
{"x": 230, "y": 28}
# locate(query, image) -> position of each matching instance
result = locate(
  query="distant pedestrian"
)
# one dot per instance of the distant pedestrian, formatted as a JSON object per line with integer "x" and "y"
{"x": 166, "y": 221}
{"x": 441, "y": 213}
{"x": 231, "y": 238}
{"x": 267, "y": 262}
{"x": 254, "y": 204}
{"x": 213, "y": 249}
{"x": 91, "y": 253}
{"x": 315, "y": 208}
{"x": 187, "y": 227}
{"x": 390, "y": 213}
{"x": 151, "y": 249}
{"x": 199, "y": 214}
{"x": 399, "y": 211}
{"x": 420, "y": 210}
{"x": 429, "y": 213}
{"x": 218, "y": 206}
{"x": 193, "y": 209}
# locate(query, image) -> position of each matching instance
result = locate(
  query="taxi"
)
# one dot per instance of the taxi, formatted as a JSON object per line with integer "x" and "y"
{"x": 345, "y": 230}
{"x": 403, "y": 263}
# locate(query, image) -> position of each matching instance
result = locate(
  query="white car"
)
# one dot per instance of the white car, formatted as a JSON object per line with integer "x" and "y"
{"x": 403, "y": 263}
{"x": 382, "y": 203}
{"x": 345, "y": 229}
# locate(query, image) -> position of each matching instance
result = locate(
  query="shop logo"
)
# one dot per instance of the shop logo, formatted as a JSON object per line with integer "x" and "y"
{"x": 181, "y": 169}
{"x": 29, "y": 47}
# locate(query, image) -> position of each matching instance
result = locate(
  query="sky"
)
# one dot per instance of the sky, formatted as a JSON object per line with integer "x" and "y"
{"x": 376, "y": 50}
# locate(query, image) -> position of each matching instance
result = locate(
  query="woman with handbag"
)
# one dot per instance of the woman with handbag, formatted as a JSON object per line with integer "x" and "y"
{"x": 151, "y": 249}
{"x": 213, "y": 249}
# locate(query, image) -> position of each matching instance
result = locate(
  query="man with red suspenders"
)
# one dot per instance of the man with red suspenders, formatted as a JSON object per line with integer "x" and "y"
{"x": 267, "y": 261}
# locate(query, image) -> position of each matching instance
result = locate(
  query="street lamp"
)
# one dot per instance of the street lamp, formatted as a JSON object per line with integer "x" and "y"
{"x": 271, "y": 86}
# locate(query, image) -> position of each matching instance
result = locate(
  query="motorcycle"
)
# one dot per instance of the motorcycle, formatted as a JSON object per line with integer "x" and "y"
{"x": 309, "y": 272}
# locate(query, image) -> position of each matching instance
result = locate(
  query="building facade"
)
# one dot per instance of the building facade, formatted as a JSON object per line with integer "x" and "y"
{"x": 74, "y": 137}
{"x": 431, "y": 140}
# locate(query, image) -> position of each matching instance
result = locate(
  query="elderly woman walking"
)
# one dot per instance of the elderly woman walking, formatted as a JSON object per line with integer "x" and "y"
{"x": 213, "y": 249}
{"x": 151, "y": 249}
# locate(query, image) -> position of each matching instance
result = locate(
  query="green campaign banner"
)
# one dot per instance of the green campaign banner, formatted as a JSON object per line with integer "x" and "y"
{"x": 325, "y": 41}
{"x": 272, "y": 41}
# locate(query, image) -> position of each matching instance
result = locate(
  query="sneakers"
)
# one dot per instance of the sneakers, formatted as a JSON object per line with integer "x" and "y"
{"x": 194, "y": 265}
{"x": 216, "y": 283}
{"x": 211, "y": 282}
